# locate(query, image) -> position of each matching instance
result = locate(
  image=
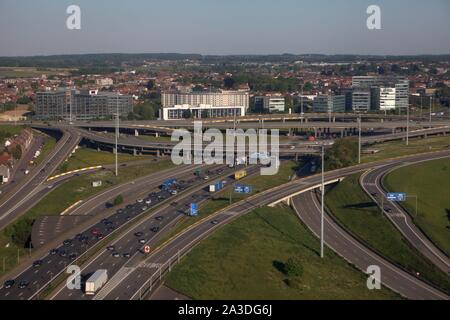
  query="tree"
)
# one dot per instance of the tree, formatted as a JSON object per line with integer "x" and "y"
{"x": 150, "y": 84}
{"x": 229, "y": 83}
{"x": 293, "y": 267}
{"x": 17, "y": 152}
{"x": 118, "y": 200}
{"x": 343, "y": 153}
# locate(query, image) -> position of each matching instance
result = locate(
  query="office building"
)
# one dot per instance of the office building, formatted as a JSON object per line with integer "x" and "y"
{"x": 270, "y": 103}
{"x": 81, "y": 105}
{"x": 222, "y": 103}
{"x": 379, "y": 93}
{"x": 329, "y": 103}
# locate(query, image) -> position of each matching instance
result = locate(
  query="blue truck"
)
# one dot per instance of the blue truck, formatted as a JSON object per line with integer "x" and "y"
{"x": 168, "y": 184}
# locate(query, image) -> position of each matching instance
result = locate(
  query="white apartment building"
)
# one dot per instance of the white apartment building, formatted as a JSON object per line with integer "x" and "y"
{"x": 223, "y": 103}
{"x": 387, "y": 98}
{"x": 270, "y": 103}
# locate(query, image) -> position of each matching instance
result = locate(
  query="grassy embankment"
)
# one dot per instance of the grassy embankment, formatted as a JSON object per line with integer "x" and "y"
{"x": 430, "y": 182}
{"x": 356, "y": 211}
{"x": 247, "y": 260}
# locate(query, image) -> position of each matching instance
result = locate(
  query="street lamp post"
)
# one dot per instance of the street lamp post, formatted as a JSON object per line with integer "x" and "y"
{"x": 407, "y": 126}
{"x": 431, "y": 107}
{"x": 359, "y": 140}
{"x": 117, "y": 134}
{"x": 322, "y": 205}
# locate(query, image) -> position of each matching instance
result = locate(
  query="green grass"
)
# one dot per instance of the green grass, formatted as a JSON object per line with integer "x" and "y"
{"x": 78, "y": 188}
{"x": 244, "y": 260}
{"x": 356, "y": 211}
{"x": 49, "y": 145}
{"x": 393, "y": 149}
{"x": 430, "y": 182}
{"x": 222, "y": 199}
{"x": 85, "y": 157}
{"x": 9, "y": 130}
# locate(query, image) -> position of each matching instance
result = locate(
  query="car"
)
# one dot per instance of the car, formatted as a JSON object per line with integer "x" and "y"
{"x": 110, "y": 228}
{"x": 99, "y": 236}
{"x": 53, "y": 251}
{"x": 115, "y": 255}
{"x": 8, "y": 284}
{"x": 104, "y": 221}
{"x": 142, "y": 241}
{"x": 37, "y": 263}
{"x": 126, "y": 255}
{"x": 67, "y": 242}
{"x": 139, "y": 234}
{"x": 144, "y": 208}
{"x": 174, "y": 192}
{"x": 214, "y": 222}
{"x": 206, "y": 178}
{"x": 23, "y": 284}
{"x": 149, "y": 201}
{"x": 110, "y": 248}
{"x": 78, "y": 236}
{"x": 154, "y": 229}
{"x": 95, "y": 231}
{"x": 128, "y": 218}
{"x": 140, "y": 200}
{"x": 389, "y": 210}
{"x": 159, "y": 218}
{"x": 72, "y": 256}
{"x": 62, "y": 253}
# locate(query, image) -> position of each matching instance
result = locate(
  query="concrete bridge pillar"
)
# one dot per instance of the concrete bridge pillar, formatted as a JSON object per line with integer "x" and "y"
{"x": 315, "y": 132}
{"x": 158, "y": 154}
{"x": 134, "y": 152}
{"x": 393, "y": 130}
{"x": 136, "y": 133}
{"x": 114, "y": 150}
{"x": 334, "y": 119}
{"x": 157, "y": 134}
{"x": 342, "y": 133}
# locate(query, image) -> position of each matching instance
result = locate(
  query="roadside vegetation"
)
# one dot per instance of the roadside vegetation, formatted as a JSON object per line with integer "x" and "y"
{"x": 430, "y": 182}
{"x": 86, "y": 157}
{"x": 398, "y": 148}
{"x": 354, "y": 209}
{"x": 268, "y": 254}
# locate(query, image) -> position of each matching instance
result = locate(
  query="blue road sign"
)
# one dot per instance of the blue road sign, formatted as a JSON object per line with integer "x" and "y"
{"x": 240, "y": 188}
{"x": 194, "y": 209}
{"x": 396, "y": 196}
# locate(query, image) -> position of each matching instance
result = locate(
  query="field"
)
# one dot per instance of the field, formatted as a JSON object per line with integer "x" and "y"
{"x": 246, "y": 260}
{"x": 85, "y": 157}
{"x": 356, "y": 211}
{"x": 430, "y": 182}
{"x": 23, "y": 72}
{"x": 398, "y": 148}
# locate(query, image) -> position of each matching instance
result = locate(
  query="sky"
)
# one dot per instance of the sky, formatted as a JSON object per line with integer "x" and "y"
{"x": 408, "y": 27}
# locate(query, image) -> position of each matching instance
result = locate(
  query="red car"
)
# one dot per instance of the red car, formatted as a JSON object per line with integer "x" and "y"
{"x": 95, "y": 231}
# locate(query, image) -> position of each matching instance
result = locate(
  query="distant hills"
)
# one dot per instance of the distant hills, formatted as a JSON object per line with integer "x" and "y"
{"x": 117, "y": 60}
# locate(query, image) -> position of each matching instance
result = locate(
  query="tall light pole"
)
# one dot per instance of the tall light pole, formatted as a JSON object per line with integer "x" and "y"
{"x": 323, "y": 198}
{"x": 407, "y": 125}
{"x": 359, "y": 139}
{"x": 301, "y": 104}
{"x": 431, "y": 107}
{"x": 117, "y": 133}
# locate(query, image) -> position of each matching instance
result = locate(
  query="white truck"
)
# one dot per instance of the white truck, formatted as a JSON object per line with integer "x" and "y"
{"x": 96, "y": 281}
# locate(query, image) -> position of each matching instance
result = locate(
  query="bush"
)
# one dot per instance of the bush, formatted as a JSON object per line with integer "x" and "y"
{"x": 293, "y": 267}
{"x": 118, "y": 200}
{"x": 20, "y": 232}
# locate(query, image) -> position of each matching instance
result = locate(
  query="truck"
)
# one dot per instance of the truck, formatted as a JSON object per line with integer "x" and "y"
{"x": 96, "y": 281}
{"x": 216, "y": 187}
{"x": 240, "y": 174}
{"x": 168, "y": 184}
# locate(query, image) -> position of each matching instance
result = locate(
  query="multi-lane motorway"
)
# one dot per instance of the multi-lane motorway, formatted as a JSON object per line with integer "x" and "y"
{"x": 134, "y": 283}
{"x": 15, "y": 202}
{"x": 371, "y": 182}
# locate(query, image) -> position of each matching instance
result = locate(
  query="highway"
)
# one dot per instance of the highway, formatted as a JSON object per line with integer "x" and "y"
{"x": 148, "y": 232}
{"x": 289, "y": 148}
{"x": 307, "y": 208}
{"x": 134, "y": 283}
{"x": 371, "y": 182}
{"x": 55, "y": 263}
{"x": 12, "y": 204}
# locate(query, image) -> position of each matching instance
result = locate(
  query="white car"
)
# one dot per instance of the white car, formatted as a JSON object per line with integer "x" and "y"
{"x": 140, "y": 201}
{"x": 149, "y": 201}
